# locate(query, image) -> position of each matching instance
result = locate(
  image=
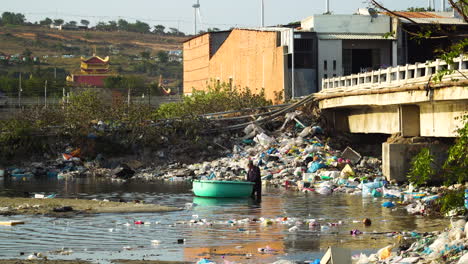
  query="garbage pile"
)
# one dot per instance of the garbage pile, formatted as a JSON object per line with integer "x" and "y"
{"x": 449, "y": 246}
{"x": 286, "y": 159}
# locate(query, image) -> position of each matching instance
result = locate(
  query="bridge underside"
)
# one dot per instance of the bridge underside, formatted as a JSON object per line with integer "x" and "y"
{"x": 425, "y": 113}
{"x": 412, "y": 112}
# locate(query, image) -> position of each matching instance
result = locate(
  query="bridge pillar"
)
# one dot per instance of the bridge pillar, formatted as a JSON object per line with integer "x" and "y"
{"x": 410, "y": 121}
{"x": 396, "y": 158}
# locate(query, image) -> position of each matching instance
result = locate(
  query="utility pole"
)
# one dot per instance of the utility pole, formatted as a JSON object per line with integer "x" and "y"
{"x": 262, "y": 13}
{"x": 19, "y": 91}
{"x": 128, "y": 96}
{"x": 45, "y": 94}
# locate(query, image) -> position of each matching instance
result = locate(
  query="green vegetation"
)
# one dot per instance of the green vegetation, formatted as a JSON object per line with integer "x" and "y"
{"x": 421, "y": 168}
{"x": 451, "y": 200}
{"x": 218, "y": 98}
{"x": 128, "y": 124}
{"x": 9, "y": 18}
{"x": 456, "y": 165}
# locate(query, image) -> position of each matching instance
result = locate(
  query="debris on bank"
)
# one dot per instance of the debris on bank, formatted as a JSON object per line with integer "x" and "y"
{"x": 31, "y": 206}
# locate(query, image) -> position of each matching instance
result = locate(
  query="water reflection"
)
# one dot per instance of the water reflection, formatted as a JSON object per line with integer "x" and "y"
{"x": 101, "y": 236}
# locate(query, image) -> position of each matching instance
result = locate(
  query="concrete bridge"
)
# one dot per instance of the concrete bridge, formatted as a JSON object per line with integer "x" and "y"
{"x": 402, "y": 99}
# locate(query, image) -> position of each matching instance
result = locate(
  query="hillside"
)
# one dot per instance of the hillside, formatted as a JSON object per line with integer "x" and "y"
{"x": 44, "y": 41}
{"x": 62, "y": 50}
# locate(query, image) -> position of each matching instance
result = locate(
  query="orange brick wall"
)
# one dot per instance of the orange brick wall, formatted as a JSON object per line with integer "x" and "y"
{"x": 249, "y": 58}
{"x": 196, "y": 63}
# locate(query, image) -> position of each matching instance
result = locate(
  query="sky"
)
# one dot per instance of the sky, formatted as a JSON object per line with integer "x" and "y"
{"x": 222, "y": 14}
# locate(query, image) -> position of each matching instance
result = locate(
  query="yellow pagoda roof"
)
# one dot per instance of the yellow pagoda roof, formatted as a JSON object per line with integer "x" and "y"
{"x": 95, "y": 59}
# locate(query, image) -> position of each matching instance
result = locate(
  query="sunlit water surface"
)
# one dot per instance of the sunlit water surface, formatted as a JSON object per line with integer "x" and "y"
{"x": 103, "y": 237}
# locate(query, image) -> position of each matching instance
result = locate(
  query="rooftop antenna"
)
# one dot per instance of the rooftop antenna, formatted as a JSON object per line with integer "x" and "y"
{"x": 196, "y": 9}
{"x": 262, "y": 15}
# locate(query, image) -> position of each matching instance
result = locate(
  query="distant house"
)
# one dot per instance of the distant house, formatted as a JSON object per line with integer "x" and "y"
{"x": 175, "y": 55}
{"x": 59, "y": 27}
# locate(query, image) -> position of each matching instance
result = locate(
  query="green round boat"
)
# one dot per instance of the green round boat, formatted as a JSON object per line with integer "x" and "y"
{"x": 222, "y": 189}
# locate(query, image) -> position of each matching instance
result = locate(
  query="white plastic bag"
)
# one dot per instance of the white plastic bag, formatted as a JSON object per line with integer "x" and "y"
{"x": 264, "y": 140}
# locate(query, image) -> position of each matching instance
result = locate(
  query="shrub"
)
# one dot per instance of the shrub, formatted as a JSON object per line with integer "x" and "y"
{"x": 456, "y": 165}
{"x": 218, "y": 98}
{"x": 451, "y": 200}
{"x": 421, "y": 167}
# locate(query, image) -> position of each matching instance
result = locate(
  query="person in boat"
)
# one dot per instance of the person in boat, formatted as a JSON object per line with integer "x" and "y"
{"x": 253, "y": 175}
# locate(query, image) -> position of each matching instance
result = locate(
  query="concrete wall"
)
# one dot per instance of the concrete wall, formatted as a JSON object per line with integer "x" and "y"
{"x": 438, "y": 119}
{"x": 383, "y": 119}
{"x": 329, "y": 50}
{"x": 347, "y": 24}
{"x": 247, "y": 58}
{"x": 396, "y": 159}
{"x": 196, "y": 62}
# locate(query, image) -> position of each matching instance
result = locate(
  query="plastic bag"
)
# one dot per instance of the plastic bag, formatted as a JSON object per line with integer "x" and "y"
{"x": 305, "y": 132}
{"x": 385, "y": 252}
{"x": 264, "y": 140}
{"x": 315, "y": 167}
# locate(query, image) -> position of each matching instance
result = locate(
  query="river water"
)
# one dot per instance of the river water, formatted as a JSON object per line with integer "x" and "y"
{"x": 103, "y": 237}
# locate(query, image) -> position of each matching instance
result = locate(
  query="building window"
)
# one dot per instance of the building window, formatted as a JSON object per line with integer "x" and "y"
{"x": 325, "y": 76}
{"x": 334, "y": 75}
{"x": 334, "y": 65}
{"x": 325, "y": 65}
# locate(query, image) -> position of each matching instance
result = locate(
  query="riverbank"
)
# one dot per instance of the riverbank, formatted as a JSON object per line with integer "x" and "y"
{"x": 57, "y": 207}
{"x": 17, "y": 261}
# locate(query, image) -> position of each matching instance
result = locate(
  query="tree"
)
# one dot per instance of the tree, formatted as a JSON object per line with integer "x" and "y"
{"x": 46, "y": 22}
{"x": 140, "y": 27}
{"x": 101, "y": 26}
{"x": 122, "y": 24}
{"x": 215, "y": 29}
{"x": 175, "y": 32}
{"x": 159, "y": 29}
{"x": 27, "y": 53}
{"x": 58, "y": 22}
{"x": 13, "y": 18}
{"x": 458, "y": 40}
{"x": 145, "y": 54}
{"x": 84, "y": 22}
{"x": 162, "y": 56}
{"x": 112, "y": 26}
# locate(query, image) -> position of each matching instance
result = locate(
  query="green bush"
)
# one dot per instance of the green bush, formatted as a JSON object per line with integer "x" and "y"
{"x": 451, "y": 200}
{"x": 218, "y": 98}
{"x": 456, "y": 165}
{"x": 421, "y": 167}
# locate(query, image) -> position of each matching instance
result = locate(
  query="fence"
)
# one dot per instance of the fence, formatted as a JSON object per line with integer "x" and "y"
{"x": 11, "y": 104}
{"x": 394, "y": 76}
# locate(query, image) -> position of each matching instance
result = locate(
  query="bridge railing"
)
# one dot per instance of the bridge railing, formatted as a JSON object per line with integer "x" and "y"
{"x": 394, "y": 76}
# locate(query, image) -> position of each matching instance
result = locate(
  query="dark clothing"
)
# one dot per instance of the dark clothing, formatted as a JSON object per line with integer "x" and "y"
{"x": 253, "y": 175}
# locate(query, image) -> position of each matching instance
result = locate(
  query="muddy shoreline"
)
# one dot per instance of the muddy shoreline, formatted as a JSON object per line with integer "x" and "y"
{"x": 17, "y": 261}
{"x": 54, "y": 206}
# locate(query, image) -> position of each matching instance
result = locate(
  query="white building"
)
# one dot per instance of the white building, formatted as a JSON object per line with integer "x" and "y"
{"x": 349, "y": 44}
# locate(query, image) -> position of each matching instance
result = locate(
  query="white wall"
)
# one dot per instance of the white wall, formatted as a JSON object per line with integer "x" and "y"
{"x": 329, "y": 50}
{"x": 347, "y": 24}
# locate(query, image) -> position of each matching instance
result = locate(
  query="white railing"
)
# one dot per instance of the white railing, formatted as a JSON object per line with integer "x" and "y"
{"x": 394, "y": 76}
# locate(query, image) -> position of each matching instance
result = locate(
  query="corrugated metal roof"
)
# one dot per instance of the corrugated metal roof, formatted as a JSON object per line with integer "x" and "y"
{"x": 444, "y": 21}
{"x": 333, "y": 36}
{"x": 418, "y": 14}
